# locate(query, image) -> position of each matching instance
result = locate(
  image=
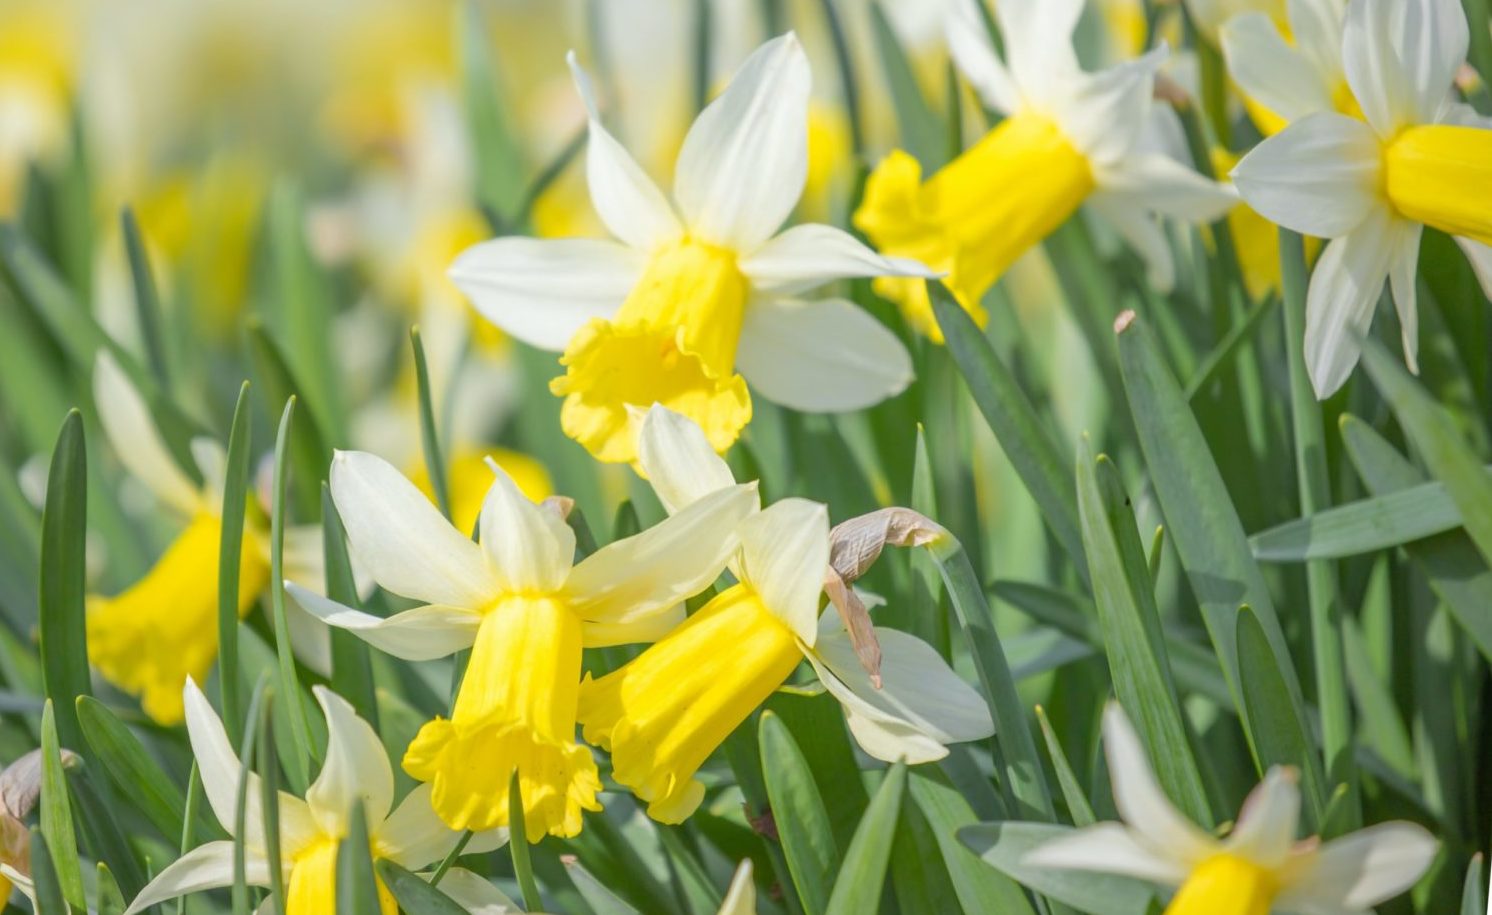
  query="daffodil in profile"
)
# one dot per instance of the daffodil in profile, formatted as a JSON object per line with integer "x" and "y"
{"x": 662, "y": 714}
{"x": 525, "y": 609}
{"x": 148, "y": 639}
{"x": 1257, "y": 868}
{"x": 356, "y": 771}
{"x": 1416, "y": 158}
{"x": 1067, "y": 138}
{"x": 700, "y": 293}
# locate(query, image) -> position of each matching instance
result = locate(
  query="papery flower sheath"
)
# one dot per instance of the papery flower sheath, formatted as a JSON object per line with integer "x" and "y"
{"x": 524, "y": 608}
{"x": 700, "y": 293}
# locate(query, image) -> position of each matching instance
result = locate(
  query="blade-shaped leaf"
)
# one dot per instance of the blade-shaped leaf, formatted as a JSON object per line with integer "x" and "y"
{"x": 56, "y": 813}
{"x": 798, "y": 810}
{"x": 980, "y": 888}
{"x": 415, "y": 896}
{"x": 857, "y": 888}
{"x": 1364, "y": 526}
{"x": 357, "y": 888}
{"x": 64, "y": 641}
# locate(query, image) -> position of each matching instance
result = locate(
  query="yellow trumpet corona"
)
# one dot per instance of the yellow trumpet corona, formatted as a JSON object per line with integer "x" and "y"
{"x": 1441, "y": 175}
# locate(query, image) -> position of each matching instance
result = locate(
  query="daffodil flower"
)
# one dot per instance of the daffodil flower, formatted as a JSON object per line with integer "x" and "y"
{"x": 1283, "y": 79}
{"x": 525, "y": 611}
{"x": 356, "y": 771}
{"x": 1257, "y": 868}
{"x": 1069, "y": 137}
{"x": 699, "y": 286}
{"x": 1212, "y": 16}
{"x": 1419, "y": 158}
{"x": 163, "y": 629}
{"x": 662, "y": 714}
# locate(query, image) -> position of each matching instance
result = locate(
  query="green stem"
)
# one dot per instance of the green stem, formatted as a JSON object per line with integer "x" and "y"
{"x": 435, "y": 464}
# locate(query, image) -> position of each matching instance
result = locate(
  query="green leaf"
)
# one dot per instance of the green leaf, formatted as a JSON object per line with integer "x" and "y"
{"x": 301, "y": 309}
{"x": 1005, "y": 846}
{"x": 1209, "y": 539}
{"x": 1078, "y": 804}
{"x": 494, "y": 144}
{"x": 352, "y": 666}
{"x": 980, "y": 888}
{"x": 230, "y": 559}
{"x": 1364, "y": 526}
{"x": 1266, "y": 697}
{"x": 48, "y": 891}
{"x": 857, "y": 889}
{"x": 435, "y": 465}
{"x": 1457, "y": 573}
{"x": 56, "y": 813}
{"x": 312, "y": 451}
{"x": 240, "y": 886}
{"x": 415, "y": 896}
{"x": 357, "y": 888}
{"x": 107, "y": 898}
{"x": 518, "y": 846}
{"x": 798, "y": 810}
{"x": 147, "y": 301}
{"x": 921, "y": 130}
{"x": 269, "y": 797}
{"x": 131, "y": 769}
{"x": 601, "y": 900}
{"x": 300, "y": 755}
{"x": 1132, "y": 631}
{"x": 1473, "y": 891}
{"x": 1011, "y": 417}
{"x": 64, "y": 520}
{"x": 102, "y": 832}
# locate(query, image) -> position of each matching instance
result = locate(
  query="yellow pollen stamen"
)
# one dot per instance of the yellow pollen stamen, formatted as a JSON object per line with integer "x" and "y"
{"x": 1441, "y": 175}
{"x": 976, "y": 215}
{"x": 666, "y": 711}
{"x": 1225, "y": 885}
{"x": 312, "y": 888}
{"x": 673, "y": 342}
{"x": 164, "y": 628}
{"x": 515, "y": 709}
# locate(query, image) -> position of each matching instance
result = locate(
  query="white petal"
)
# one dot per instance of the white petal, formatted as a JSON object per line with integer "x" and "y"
{"x": 1111, "y": 849}
{"x": 356, "y": 769}
{"x": 310, "y": 639}
{"x": 414, "y": 835}
{"x": 743, "y": 164}
{"x": 650, "y": 572}
{"x": 1480, "y": 258}
{"x": 1105, "y": 114}
{"x": 784, "y": 555}
{"x": 219, "y": 768}
{"x": 1432, "y": 45}
{"x": 1265, "y": 831}
{"x": 421, "y": 634}
{"x": 1141, "y": 802}
{"x": 403, "y": 540}
{"x": 205, "y": 867}
{"x": 1142, "y": 230}
{"x": 1362, "y": 869}
{"x": 1316, "y": 28}
{"x": 827, "y": 356}
{"x": 1271, "y": 71}
{"x": 678, "y": 459}
{"x": 1038, "y": 39}
{"x": 648, "y": 629}
{"x": 625, "y": 198}
{"x": 133, "y": 435}
{"x": 1164, "y": 185}
{"x": 921, "y": 707}
{"x": 969, "y": 44}
{"x": 740, "y": 899}
{"x": 1402, "y": 278}
{"x": 476, "y": 894}
{"x": 810, "y": 255}
{"x": 1344, "y": 292}
{"x": 1320, "y": 176}
{"x": 530, "y": 548}
{"x": 1374, "y": 70}
{"x": 543, "y": 290}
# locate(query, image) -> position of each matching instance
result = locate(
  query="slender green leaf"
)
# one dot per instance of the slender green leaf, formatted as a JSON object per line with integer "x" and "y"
{"x": 1078, "y": 805}
{"x": 857, "y": 888}
{"x": 352, "y": 667}
{"x": 922, "y": 132}
{"x": 357, "y": 888}
{"x": 1027, "y": 444}
{"x": 108, "y": 900}
{"x": 601, "y": 899}
{"x": 300, "y": 766}
{"x": 64, "y": 643}
{"x": 301, "y": 309}
{"x": 1364, "y": 526}
{"x": 798, "y": 810}
{"x": 240, "y": 886}
{"x": 1005, "y": 846}
{"x": 1266, "y": 696}
{"x": 415, "y": 896}
{"x": 435, "y": 465}
{"x": 103, "y": 834}
{"x": 49, "y": 900}
{"x": 269, "y": 796}
{"x": 494, "y": 144}
{"x": 56, "y": 813}
{"x": 311, "y": 448}
{"x": 230, "y": 560}
{"x": 1474, "y": 888}
{"x": 518, "y": 846}
{"x": 1132, "y": 630}
{"x": 147, "y": 301}
{"x": 132, "y": 770}
{"x": 980, "y": 888}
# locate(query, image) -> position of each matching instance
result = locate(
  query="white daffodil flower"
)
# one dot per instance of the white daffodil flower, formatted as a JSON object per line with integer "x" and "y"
{"x": 525, "y": 609}
{"x": 356, "y": 771}
{"x": 1212, "y": 16}
{"x": 662, "y": 714}
{"x": 1069, "y": 137}
{"x": 700, "y": 286}
{"x": 1418, "y": 158}
{"x": 1282, "y": 79}
{"x": 149, "y": 639}
{"x": 1258, "y": 868}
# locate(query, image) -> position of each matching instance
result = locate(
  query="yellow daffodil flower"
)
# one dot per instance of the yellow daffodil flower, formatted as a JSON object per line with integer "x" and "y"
{"x": 1417, "y": 158}
{"x": 1258, "y": 868}
{"x": 356, "y": 771}
{"x": 150, "y": 638}
{"x": 525, "y": 611}
{"x": 662, "y": 714}
{"x": 1069, "y": 137}
{"x": 701, "y": 286}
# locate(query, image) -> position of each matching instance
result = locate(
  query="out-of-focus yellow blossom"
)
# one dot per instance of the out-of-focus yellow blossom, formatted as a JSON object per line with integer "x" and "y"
{"x": 828, "y": 160}
{"x": 36, "y": 82}
{"x": 151, "y": 637}
{"x": 468, "y": 477}
{"x": 1069, "y": 137}
{"x": 1125, "y": 27}
{"x": 525, "y": 609}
